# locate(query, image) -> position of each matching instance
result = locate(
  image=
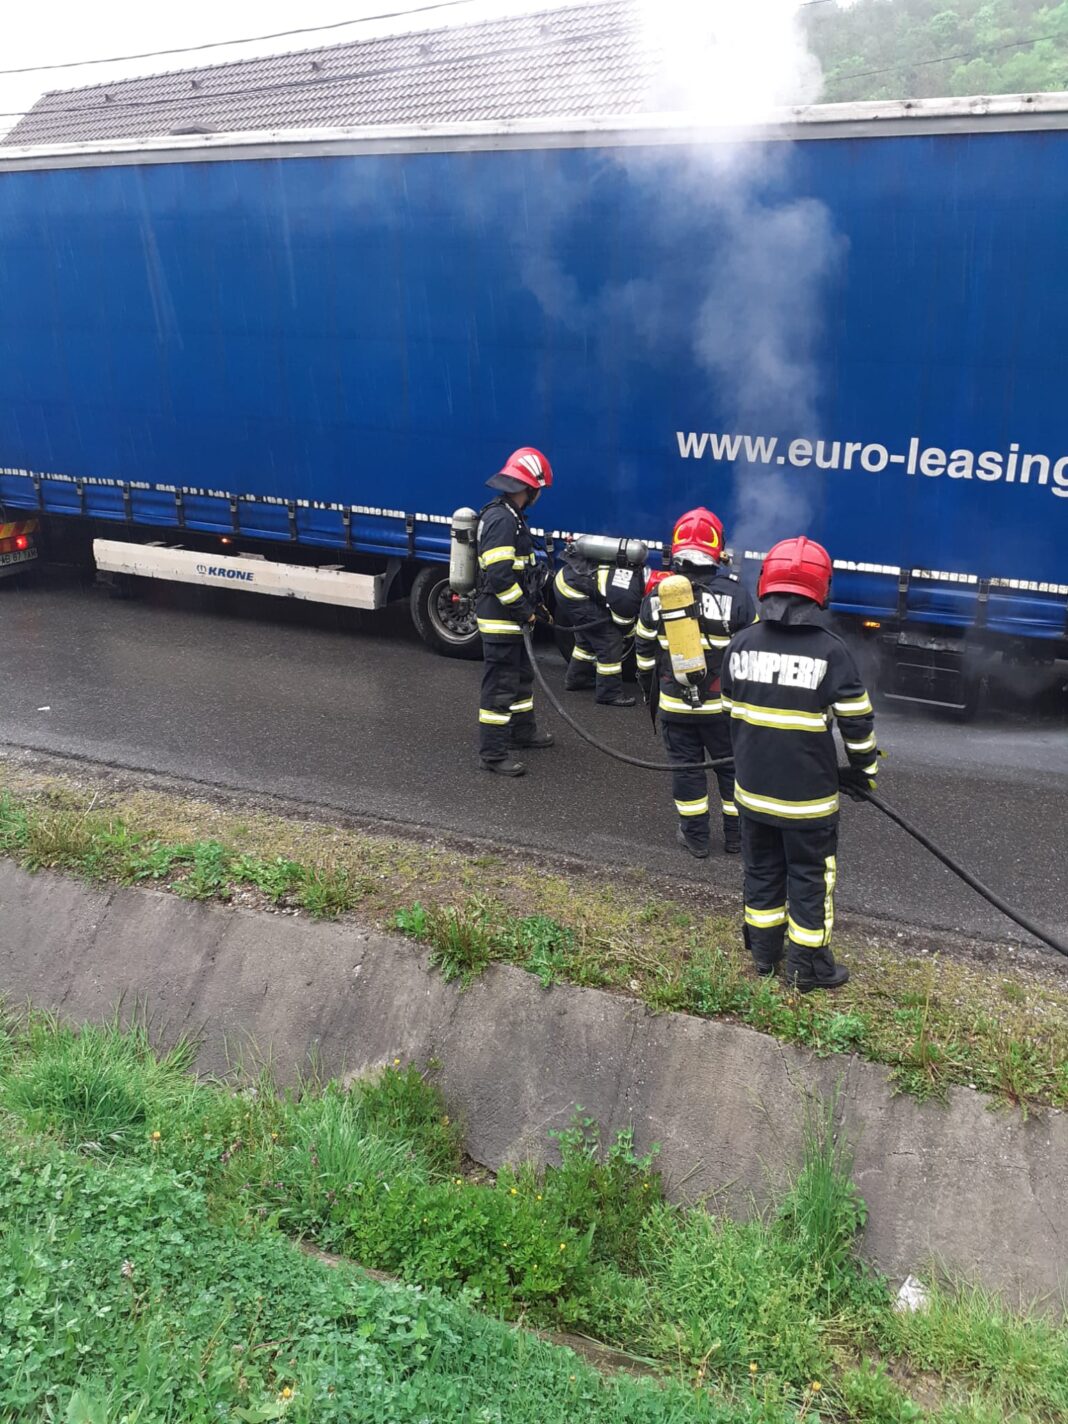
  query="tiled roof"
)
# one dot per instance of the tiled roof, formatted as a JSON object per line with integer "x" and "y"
{"x": 586, "y": 60}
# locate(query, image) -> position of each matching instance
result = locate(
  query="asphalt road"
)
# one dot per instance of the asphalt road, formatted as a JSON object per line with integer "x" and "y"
{"x": 296, "y": 701}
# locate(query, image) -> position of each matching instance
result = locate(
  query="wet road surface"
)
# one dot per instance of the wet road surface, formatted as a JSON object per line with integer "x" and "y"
{"x": 352, "y": 711}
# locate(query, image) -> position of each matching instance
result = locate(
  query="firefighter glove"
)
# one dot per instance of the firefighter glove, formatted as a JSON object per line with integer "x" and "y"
{"x": 854, "y": 781}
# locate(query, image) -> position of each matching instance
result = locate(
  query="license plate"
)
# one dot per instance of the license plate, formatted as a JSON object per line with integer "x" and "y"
{"x": 18, "y": 556}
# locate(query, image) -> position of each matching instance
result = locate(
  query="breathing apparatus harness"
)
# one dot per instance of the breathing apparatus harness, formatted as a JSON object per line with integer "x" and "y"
{"x": 683, "y": 633}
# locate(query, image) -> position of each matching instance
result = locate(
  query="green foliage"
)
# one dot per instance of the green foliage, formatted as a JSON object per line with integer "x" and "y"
{"x": 121, "y": 1297}
{"x": 460, "y": 938}
{"x": 150, "y": 1274}
{"x": 919, "y": 49}
{"x": 99, "y": 1088}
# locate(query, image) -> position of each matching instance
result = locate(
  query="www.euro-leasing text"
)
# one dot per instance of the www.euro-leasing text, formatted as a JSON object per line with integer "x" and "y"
{"x": 1010, "y": 467}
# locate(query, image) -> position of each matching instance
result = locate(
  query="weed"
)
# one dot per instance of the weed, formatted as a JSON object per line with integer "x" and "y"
{"x": 275, "y": 878}
{"x": 400, "y": 1105}
{"x": 100, "y": 1088}
{"x": 327, "y": 893}
{"x": 209, "y": 873}
{"x": 461, "y": 940}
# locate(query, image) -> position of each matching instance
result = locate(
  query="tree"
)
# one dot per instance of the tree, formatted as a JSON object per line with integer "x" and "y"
{"x": 918, "y": 49}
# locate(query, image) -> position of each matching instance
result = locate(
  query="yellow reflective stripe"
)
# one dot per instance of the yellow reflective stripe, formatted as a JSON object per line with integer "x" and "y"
{"x": 811, "y": 939}
{"x": 644, "y": 631}
{"x": 527, "y": 705}
{"x": 497, "y": 556}
{"x": 867, "y": 745}
{"x": 494, "y": 719}
{"x": 563, "y": 587}
{"x": 582, "y": 656}
{"x": 693, "y": 808}
{"x": 519, "y": 563}
{"x": 497, "y": 625}
{"x": 677, "y": 704}
{"x": 708, "y": 641}
{"x": 784, "y": 718}
{"x": 602, "y": 580}
{"x": 872, "y": 770}
{"x": 645, "y": 664}
{"x": 859, "y": 707}
{"x": 729, "y": 808}
{"x": 795, "y": 810}
{"x": 765, "y": 919}
{"x": 512, "y": 594}
{"x": 623, "y": 622}
{"x": 609, "y": 669}
{"x": 830, "y": 876}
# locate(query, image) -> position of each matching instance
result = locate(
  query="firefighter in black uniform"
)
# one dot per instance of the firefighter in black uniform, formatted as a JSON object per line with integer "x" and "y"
{"x": 601, "y": 602}
{"x": 508, "y": 594}
{"x": 692, "y": 727}
{"x": 784, "y": 678}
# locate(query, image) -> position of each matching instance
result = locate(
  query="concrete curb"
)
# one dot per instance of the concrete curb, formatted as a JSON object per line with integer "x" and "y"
{"x": 983, "y": 1193}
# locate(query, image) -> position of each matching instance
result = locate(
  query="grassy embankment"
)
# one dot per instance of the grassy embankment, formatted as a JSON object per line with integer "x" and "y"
{"x": 934, "y": 1019}
{"x": 148, "y": 1271}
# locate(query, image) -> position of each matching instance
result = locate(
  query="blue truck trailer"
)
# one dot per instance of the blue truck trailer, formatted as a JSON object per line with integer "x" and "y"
{"x": 279, "y": 361}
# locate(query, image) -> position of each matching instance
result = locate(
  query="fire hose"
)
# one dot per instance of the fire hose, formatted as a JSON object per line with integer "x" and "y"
{"x": 557, "y": 706}
{"x": 969, "y": 879}
{"x": 991, "y": 896}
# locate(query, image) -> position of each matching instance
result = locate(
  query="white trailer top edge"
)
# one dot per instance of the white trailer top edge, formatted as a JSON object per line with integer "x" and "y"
{"x": 874, "y": 119}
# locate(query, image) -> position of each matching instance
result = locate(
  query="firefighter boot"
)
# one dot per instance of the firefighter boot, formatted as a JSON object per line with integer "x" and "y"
{"x": 504, "y": 767}
{"x": 530, "y": 739}
{"x": 766, "y": 948}
{"x": 615, "y": 699}
{"x": 694, "y": 841}
{"x": 732, "y": 836}
{"x": 808, "y": 969}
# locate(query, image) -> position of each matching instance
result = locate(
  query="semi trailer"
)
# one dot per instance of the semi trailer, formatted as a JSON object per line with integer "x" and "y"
{"x": 279, "y": 361}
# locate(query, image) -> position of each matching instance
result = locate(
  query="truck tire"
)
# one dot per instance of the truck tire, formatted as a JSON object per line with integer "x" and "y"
{"x": 444, "y": 620}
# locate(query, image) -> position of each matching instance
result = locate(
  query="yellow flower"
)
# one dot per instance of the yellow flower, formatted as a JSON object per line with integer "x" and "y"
{"x": 274, "y": 1137}
{"x": 156, "y": 1135}
{"x": 445, "y": 1119}
{"x": 459, "y": 1181}
{"x": 563, "y": 1245}
{"x": 753, "y": 1367}
{"x": 514, "y": 1192}
{"x": 396, "y": 1062}
{"x": 571, "y": 1378}
{"x": 285, "y": 1393}
{"x": 539, "y": 1196}
{"x": 815, "y": 1386}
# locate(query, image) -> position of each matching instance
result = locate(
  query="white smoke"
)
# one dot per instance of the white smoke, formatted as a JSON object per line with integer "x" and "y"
{"x": 734, "y": 63}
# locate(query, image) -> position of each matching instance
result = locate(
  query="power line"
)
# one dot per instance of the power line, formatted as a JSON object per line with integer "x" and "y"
{"x": 244, "y": 39}
{"x": 948, "y": 58}
{"x": 318, "y": 82}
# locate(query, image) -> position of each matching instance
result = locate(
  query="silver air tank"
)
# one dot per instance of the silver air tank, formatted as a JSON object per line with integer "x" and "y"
{"x": 463, "y": 553}
{"x": 603, "y": 549}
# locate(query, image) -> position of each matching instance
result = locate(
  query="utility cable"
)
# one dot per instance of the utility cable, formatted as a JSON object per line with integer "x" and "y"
{"x": 976, "y": 884}
{"x": 242, "y": 39}
{"x": 558, "y": 706}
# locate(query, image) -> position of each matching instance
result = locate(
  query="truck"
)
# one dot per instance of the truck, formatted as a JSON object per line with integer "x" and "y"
{"x": 279, "y": 361}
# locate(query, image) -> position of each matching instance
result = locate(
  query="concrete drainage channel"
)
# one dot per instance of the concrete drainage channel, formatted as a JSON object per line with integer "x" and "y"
{"x": 982, "y": 1194}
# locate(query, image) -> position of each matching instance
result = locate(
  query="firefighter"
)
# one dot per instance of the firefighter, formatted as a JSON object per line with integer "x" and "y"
{"x": 784, "y": 678}
{"x": 692, "y": 721}
{"x": 508, "y": 595}
{"x": 601, "y": 602}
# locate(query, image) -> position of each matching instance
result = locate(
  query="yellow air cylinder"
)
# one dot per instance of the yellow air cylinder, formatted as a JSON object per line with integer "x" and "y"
{"x": 678, "y": 613}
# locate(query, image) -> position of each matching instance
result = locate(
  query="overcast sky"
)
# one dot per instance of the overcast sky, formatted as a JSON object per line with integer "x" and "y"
{"x": 52, "y": 33}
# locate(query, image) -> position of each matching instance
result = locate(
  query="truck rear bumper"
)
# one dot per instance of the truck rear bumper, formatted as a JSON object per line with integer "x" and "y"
{"x": 251, "y": 573}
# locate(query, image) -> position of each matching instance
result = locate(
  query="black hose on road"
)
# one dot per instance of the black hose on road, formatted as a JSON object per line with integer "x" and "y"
{"x": 991, "y": 896}
{"x": 603, "y": 746}
{"x": 969, "y": 879}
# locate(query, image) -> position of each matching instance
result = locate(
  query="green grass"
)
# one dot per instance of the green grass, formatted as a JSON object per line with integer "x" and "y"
{"x": 933, "y": 1021}
{"x": 147, "y": 1270}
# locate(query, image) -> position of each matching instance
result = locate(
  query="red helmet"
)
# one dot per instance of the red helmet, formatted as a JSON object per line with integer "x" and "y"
{"x": 797, "y": 566}
{"x": 525, "y": 468}
{"x": 698, "y": 538}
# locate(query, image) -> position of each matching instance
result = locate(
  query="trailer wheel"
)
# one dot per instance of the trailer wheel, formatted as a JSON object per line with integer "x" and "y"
{"x": 444, "y": 620}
